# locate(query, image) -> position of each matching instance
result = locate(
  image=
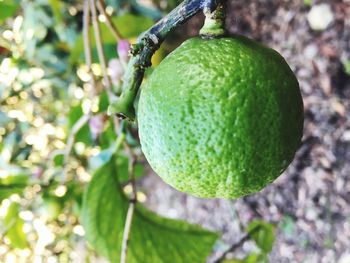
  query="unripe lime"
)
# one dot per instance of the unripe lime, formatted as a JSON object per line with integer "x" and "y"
{"x": 220, "y": 117}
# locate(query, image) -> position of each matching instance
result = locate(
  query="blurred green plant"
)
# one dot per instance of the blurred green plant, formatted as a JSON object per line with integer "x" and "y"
{"x": 7, "y": 9}
{"x": 346, "y": 64}
{"x": 308, "y": 2}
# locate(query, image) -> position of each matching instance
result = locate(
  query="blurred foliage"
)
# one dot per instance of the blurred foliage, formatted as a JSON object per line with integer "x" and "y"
{"x": 8, "y": 9}
{"x": 308, "y": 2}
{"x": 136, "y": 24}
{"x": 14, "y": 227}
{"x": 346, "y": 64}
{"x": 44, "y": 92}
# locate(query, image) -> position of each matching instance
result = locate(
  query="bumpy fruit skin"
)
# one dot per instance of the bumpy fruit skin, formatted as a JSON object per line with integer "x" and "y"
{"x": 220, "y": 117}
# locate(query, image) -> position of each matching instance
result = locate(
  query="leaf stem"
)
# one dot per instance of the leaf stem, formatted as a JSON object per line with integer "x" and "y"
{"x": 127, "y": 228}
{"x": 132, "y": 202}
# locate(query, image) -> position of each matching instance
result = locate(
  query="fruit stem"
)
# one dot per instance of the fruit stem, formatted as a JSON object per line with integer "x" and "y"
{"x": 143, "y": 50}
{"x": 214, "y": 23}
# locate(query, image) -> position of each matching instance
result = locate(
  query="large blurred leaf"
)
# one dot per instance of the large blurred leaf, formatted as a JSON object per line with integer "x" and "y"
{"x": 263, "y": 234}
{"x": 14, "y": 227}
{"x": 129, "y": 26}
{"x": 7, "y": 8}
{"x": 13, "y": 184}
{"x": 153, "y": 239}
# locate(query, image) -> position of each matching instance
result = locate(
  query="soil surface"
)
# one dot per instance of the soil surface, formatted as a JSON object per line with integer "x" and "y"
{"x": 310, "y": 202}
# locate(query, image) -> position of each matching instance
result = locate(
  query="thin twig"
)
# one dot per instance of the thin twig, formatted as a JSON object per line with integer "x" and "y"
{"x": 100, "y": 52}
{"x": 75, "y": 129}
{"x": 102, "y": 59}
{"x": 237, "y": 245}
{"x": 115, "y": 32}
{"x": 87, "y": 44}
{"x": 126, "y": 233}
{"x": 132, "y": 203}
{"x": 87, "y": 47}
{"x": 232, "y": 248}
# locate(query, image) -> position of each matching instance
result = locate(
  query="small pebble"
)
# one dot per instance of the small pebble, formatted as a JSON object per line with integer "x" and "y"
{"x": 320, "y": 17}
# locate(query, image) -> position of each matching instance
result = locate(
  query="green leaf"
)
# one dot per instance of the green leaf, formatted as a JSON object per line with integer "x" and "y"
{"x": 14, "y": 227}
{"x": 263, "y": 234}
{"x": 251, "y": 258}
{"x": 256, "y": 258}
{"x": 129, "y": 26}
{"x": 234, "y": 260}
{"x": 153, "y": 239}
{"x": 308, "y": 2}
{"x": 7, "y": 8}
{"x": 346, "y": 64}
{"x": 12, "y": 184}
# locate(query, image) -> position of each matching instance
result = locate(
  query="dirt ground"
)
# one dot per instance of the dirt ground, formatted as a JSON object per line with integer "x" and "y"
{"x": 310, "y": 202}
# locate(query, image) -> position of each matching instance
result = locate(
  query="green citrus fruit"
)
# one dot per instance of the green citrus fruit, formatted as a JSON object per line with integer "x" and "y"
{"x": 220, "y": 117}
